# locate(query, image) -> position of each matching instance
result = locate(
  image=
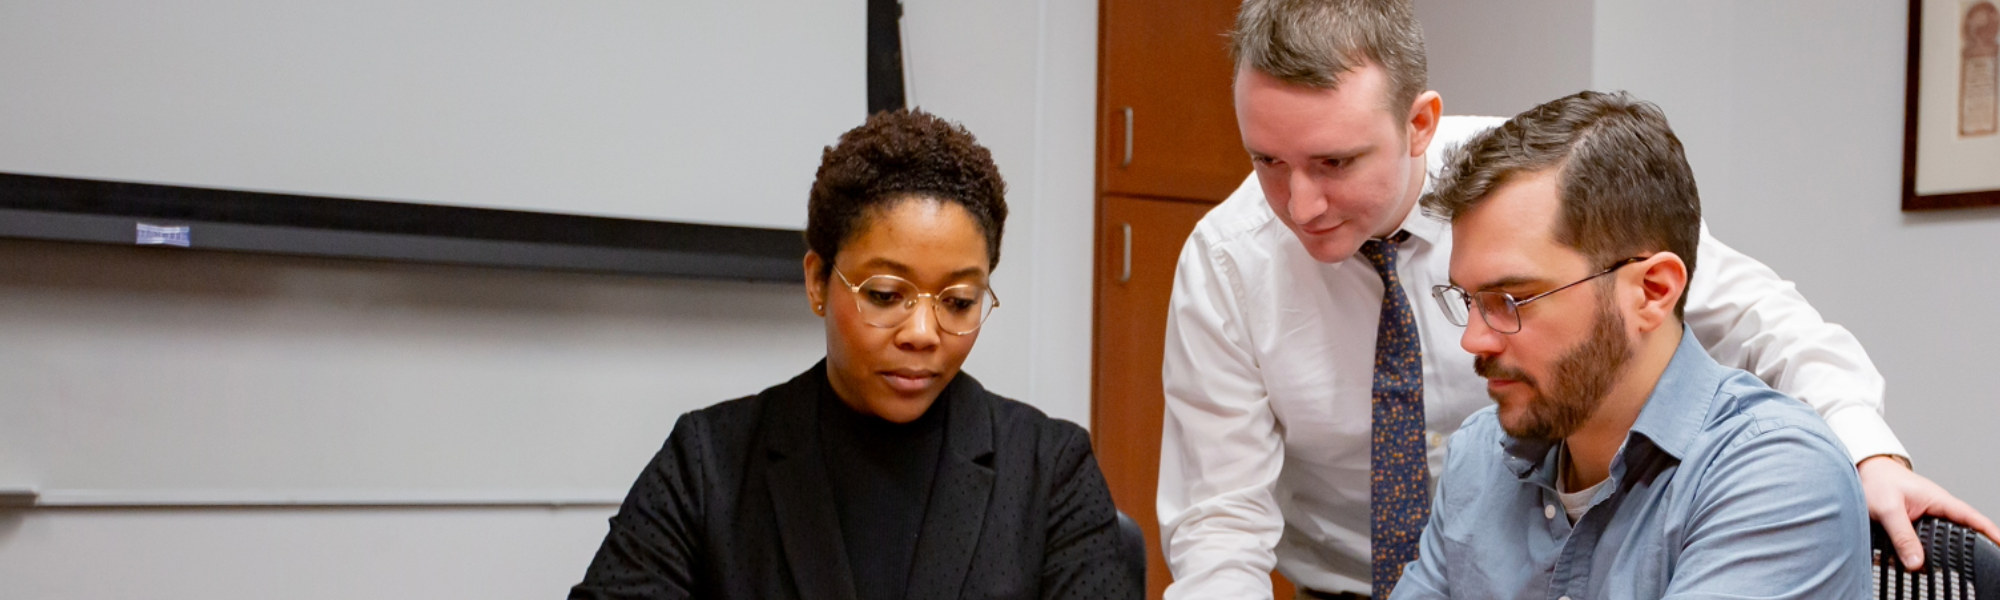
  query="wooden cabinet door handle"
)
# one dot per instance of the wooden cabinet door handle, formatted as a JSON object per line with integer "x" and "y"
{"x": 1128, "y": 138}
{"x": 1125, "y": 274}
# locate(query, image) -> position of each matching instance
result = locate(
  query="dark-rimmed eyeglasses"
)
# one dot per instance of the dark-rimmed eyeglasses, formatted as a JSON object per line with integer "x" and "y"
{"x": 1500, "y": 310}
{"x": 887, "y": 301}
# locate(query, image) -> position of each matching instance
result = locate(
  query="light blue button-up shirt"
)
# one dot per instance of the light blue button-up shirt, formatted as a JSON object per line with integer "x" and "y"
{"x": 1725, "y": 488}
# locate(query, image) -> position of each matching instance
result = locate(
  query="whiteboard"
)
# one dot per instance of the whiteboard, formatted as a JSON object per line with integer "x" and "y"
{"x": 699, "y": 112}
{"x": 165, "y": 379}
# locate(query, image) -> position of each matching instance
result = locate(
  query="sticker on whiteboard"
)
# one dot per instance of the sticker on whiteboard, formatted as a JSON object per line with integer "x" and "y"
{"x": 163, "y": 235}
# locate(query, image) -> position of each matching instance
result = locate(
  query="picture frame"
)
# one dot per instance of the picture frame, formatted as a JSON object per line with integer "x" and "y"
{"x": 1951, "y": 129}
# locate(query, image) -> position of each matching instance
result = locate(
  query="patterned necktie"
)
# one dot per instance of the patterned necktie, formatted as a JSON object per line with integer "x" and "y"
{"x": 1398, "y": 492}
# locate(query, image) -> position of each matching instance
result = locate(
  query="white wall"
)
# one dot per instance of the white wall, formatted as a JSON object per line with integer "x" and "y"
{"x": 304, "y": 555}
{"x": 1023, "y": 77}
{"x": 1792, "y": 114}
{"x": 1501, "y": 58}
{"x": 87, "y": 324}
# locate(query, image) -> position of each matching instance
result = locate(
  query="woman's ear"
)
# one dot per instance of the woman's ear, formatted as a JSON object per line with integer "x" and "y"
{"x": 815, "y": 285}
{"x": 1662, "y": 282}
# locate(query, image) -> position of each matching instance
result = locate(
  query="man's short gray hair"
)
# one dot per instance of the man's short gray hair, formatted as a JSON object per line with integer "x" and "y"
{"x": 1313, "y": 42}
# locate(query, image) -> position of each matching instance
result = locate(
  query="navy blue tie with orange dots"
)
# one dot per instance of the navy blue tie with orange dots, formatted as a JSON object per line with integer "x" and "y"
{"x": 1399, "y": 491}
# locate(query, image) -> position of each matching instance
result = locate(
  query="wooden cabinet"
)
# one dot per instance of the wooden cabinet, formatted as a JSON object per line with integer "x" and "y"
{"x": 1168, "y": 151}
{"x": 1138, "y": 242}
{"x": 1165, "y": 125}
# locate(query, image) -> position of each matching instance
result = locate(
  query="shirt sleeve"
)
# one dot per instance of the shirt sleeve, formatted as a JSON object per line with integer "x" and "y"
{"x": 1749, "y": 318}
{"x": 653, "y": 544}
{"x": 1779, "y": 515}
{"x": 1221, "y": 448}
{"x": 1428, "y": 577}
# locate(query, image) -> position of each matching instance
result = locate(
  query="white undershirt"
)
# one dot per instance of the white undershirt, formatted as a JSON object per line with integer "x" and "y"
{"x": 1574, "y": 503}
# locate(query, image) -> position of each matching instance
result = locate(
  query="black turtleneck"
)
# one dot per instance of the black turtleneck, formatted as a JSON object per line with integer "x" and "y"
{"x": 881, "y": 475}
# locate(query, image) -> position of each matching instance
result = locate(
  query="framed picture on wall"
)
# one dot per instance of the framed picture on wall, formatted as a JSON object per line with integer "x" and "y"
{"x": 1951, "y": 129}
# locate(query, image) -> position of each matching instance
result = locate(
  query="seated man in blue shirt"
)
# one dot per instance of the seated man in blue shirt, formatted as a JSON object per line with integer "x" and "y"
{"x": 1621, "y": 461}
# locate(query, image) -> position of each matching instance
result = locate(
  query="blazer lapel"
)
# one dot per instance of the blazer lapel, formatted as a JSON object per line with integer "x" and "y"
{"x": 959, "y": 494}
{"x": 807, "y": 523}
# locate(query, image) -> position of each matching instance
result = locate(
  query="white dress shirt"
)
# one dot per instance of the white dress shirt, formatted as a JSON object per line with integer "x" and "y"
{"x": 1269, "y": 365}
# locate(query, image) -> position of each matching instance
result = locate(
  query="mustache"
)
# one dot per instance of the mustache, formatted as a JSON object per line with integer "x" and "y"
{"x": 1492, "y": 369}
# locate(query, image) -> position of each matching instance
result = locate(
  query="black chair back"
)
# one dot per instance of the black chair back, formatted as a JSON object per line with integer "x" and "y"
{"x": 1132, "y": 549}
{"x": 1958, "y": 564}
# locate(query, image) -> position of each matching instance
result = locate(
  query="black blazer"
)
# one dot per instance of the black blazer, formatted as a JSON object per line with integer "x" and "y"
{"x": 738, "y": 505}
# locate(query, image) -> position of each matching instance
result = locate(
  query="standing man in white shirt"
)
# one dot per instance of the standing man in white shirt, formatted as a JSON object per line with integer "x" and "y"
{"x": 1308, "y": 395}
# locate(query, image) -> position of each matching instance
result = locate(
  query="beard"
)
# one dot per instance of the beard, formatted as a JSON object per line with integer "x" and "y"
{"x": 1577, "y": 384}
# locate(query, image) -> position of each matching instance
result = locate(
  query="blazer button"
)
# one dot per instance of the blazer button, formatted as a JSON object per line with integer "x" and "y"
{"x": 1549, "y": 512}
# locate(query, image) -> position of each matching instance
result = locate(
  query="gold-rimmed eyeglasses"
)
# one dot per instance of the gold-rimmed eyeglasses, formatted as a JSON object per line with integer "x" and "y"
{"x": 887, "y": 301}
{"x": 1500, "y": 310}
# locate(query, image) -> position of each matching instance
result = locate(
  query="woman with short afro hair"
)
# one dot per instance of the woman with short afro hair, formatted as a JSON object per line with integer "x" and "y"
{"x": 881, "y": 473}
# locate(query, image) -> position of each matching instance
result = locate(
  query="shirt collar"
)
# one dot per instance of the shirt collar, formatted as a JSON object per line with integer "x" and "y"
{"x": 1673, "y": 414}
{"x": 1533, "y": 461}
{"x": 1423, "y": 225}
{"x": 1682, "y": 399}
